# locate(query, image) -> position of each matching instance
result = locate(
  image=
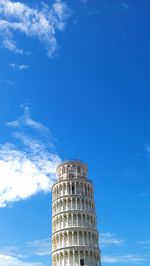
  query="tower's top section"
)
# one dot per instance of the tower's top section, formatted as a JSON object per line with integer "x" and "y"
{"x": 72, "y": 169}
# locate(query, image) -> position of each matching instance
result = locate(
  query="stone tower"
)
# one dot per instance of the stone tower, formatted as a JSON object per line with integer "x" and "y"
{"x": 75, "y": 240}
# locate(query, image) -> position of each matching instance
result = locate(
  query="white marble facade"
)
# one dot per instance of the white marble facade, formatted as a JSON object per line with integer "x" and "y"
{"x": 75, "y": 240}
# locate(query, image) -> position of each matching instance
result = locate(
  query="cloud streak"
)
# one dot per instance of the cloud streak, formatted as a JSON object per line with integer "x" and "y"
{"x": 114, "y": 250}
{"x": 18, "y": 67}
{"x": 26, "y": 168}
{"x": 15, "y": 256}
{"x": 6, "y": 260}
{"x": 26, "y": 121}
{"x": 40, "y": 247}
{"x": 109, "y": 239}
{"x": 6, "y": 82}
{"x": 127, "y": 259}
{"x": 41, "y": 23}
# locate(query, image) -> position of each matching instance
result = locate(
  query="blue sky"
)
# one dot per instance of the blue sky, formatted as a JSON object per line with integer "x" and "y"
{"x": 74, "y": 83}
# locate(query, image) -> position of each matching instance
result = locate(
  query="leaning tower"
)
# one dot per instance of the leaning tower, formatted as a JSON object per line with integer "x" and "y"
{"x": 75, "y": 240}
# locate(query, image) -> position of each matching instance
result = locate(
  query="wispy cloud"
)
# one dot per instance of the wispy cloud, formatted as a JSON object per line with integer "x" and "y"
{"x": 105, "y": 6}
{"x": 116, "y": 250}
{"x": 38, "y": 23}
{"x": 10, "y": 251}
{"x": 7, "y": 82}
{"x": 147, "y": 147}
{"x": 109, "y": 239}
{"x": 29, "y": 167}
{"x": 124, "y": 5}
{"x": 145, "y": 244}
{"x": 84, "y": 1}
{"x": 126, "y": 259}
{"x": 22, "y": 256}
{"x": 33, "y": 248}
{"x": 40, "y": 247}
{"x": 18, "y": 67}
{"x": 26, "y": 120}
{"x": 143, "y": 194}
{"x": 6, "y": 260}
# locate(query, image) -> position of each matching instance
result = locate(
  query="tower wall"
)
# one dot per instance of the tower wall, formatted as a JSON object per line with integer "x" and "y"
{"x": 75, "y": 239}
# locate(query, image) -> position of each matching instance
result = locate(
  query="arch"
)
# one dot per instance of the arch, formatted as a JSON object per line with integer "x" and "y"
{"x": 63, "y": 170}
{"x": 80, "y": 238}
{"x": 76, "y": 257}
{"x": 57, "y": 241}
{"x": 74, "y": 219}
{"x": 69, "y": 204}
{"x": 85, "y": 238}
{"x": 65, "y": 258}
{"x": 88, "y": 190}
{"x": 79, "y": 219}
{"x": 65, "y": 239}
{"x": 93, "y": 239}
{"x": 57, "y": 193}
{"x": 64, "y": 204}
{"x": 90, "y": 205}
{"x": 69, "y": 220}
{"x": 75, "y": 238}
{"x": 61, "y": 240}
{"x": 85, "y": 189}
{"x": 77, "y": 187}
{"x": 91, "y": 257}
{"x": 64, "y": 189}
{"x": 57, "y": 224}
{"x": 84, "y": 220}
{"x": 73, "y": 203}
{"x": 61, "y": 190}
{"x": 78, "y": 204}
{"x": 71, "y": 257}
{"x": 86, "y": 203}
{"x": 61, "y": 258}
{"x": 94, "y": 222}
{"x": 82, "y": 204}
{"x": 81, "y": 187}
{"x": 54, "y": 226}
{"x": 88, "y": 220}
{"x": 65, "y": 220}
{"x": 87, "y": 258}
{"x": 61, "y": 222}
{"x": 91, "y": 221}
{"x": 70, "y": 238}
{"x": 54, "y": 260}
{"x": 73, "y": 188}
{"x": 89, "y": 238}
{"x": 61, "y": 205}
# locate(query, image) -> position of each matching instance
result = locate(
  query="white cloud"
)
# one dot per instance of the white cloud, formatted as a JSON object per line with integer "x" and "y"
{"x": 125, "y": 5}
{"x": 26, "y": 120}
{"x": 84, "y": 1}
{"x": 113, "y": 241}
{"x": 26, "y": 169}
{"x": 131, "y": 258}
{"x": 143, "y": 194}
{"x": 109, "y": 239}
{"x": 7, "y": 81}
{"x": 38, "y": 23}
{"x": 145, "y": 244}
{"x": 10, "y": 251}
{"x": 18, "y": 67}
{"x": 34, "y": 249}
{"x": 6, "y": 260}
{"x": 11, "y": 45}
{"x": 40, "y": 247}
